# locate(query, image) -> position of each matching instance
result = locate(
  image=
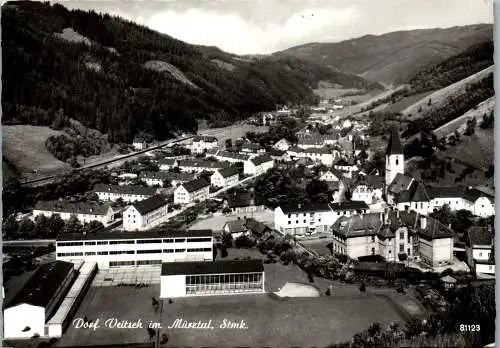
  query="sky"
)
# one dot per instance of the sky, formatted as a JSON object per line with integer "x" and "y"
{"x": 266, "y": 26}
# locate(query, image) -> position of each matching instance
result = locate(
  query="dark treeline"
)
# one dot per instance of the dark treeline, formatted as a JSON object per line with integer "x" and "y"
{"x": 454, "y": 69}
{"x": 121, "y": 97}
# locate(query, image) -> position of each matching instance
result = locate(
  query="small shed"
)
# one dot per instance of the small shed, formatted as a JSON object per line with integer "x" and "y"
{"x": 448, "y": 282}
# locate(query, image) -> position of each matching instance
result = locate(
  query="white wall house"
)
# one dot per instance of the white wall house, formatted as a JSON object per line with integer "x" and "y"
{"x": 321, "y": 154}
{"x": 168, "y": 163}
{"x": 330, "y": 176}
{"x": 348, "y": 169}
{"x": 258, "y": 165}
{"x": 135, "y": 248}
{"x": 154, "y": 178}
{"x": 480, "y": 250}
{"x": 225, "y": 177}
{"x": 143, "y": 214}
{"x": 125, "y": 192}
{"x": 84, "y": 212}
{"x": 201, "y": 144}
{"x": 188, "y": 192}
{"x": 369, "y": 189}
{"x": 250, "y": 148}
{"x": 225, "y": 277}
{"x": 282, "y": 145}
{"x": 232, "y": 157}
{"x": 196, "y": 166}
{"x": 139, "y": 144}
{"x": 27, "y": 312}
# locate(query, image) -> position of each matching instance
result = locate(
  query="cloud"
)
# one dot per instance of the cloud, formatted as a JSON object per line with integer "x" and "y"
{"x": 232, "y": 33}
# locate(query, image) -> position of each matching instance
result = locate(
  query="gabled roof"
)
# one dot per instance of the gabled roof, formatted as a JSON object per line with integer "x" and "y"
{"x": 295, "y": 149}
{"x": 125, "y": 189}
{"x": 479, "y": 236}
{"x": 394, "y": 146}
{"x": 72, "y": 207}
{"x": 261, "y": 159}
{"x": 349, "y": 205}
{"x": 202, "y": 164}
{"x": 167, "y": 161}
{"x": 372, "y": 181}
{"x": 236, "y": 226}
{"x": 204, "y": 138}
{"x": 229, "y": 171}
{"x": 154, "y": 175}
{"x": 434, "y": 230}
{"x": 150, "y": 204}
{"x": 304, "y": 208}
{"x": 244, "y": 199}
{"x": 171, "y": 176}
{"x": 473, "y": 194}
{"x": 251, "y": 146}
{"x": 445, "y": 192}
{"x": 195, "y": 185}
{"x": 215, "y": 267}
{"x": 321, "y": 150}
{"x": 233, "y": 155}
{"x": 400, "y": 183}
{"x": 258, "y": 228}
{"x": 358, "y": 225}
{"x": 41, "y": 287}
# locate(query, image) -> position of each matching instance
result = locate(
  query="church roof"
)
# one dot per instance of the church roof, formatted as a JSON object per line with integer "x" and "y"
{"x": 394, "y": 147}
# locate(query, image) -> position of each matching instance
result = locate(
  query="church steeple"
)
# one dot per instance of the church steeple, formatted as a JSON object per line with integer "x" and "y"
{"x": 394, "y": 147}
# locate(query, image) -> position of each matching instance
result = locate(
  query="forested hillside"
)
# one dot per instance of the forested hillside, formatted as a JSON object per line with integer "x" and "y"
{"x": 456, "y": 68}
{"x": 121, "y": 78}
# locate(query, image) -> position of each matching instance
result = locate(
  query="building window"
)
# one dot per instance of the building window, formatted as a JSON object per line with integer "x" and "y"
{"x": 397, "y": 161}
{"x": 401, "y": 235}
{"x": 480, "y": 254}
{"x": 373, "y": 239}
{"x": 401, "y": 248}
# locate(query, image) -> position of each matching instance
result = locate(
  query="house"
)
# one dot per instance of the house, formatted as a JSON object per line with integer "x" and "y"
{"x": 118, "y": 249}
{"x": 201, "y": 144}
{"x": 480, "y": 252}
{"x": 278, "y": 155}
{"x": 295, "y": 153}
{"x": 236, "y": 228}
{"x": 330, "y": 176}
{"x": 225, "y": 277}
{"x": 143, "y": 214}
{"x": 258, "y": 165}
{"x": 348, "y": 208}
{"x": 168, "y": 163}
{"x": 154, "y": 178}
{"x": 452, "y": 196}
{"x": 394, "y": 158}
{"x": 191, "y": 191}
{"x": 321, "y": 154}
{"x": 406, "y": 193}
{"x": 368, "y": 188}
{"x": 257, "y": 228}
{"x": 174, "y": 179}
{"x": 232, "y": 157}
{"x": 27, "y": 313}
{"x": 127, "y": 193}
{"x": 479, "y": 203}
{"x": 84, "y": 212}
{"x": 435, "y": 242}
{"x": 300, "y": 219}
{"x": 346, "y": 124}
{"x": 244, "y": 202}
{"x": 345, "y": 167}
{"x": 225, "y": 177}
{"x": 197, "y": 166}
{"x": 139, "y": 143}
{"x": 252, "y": 148}
{"x": 310, "y": 142}
{"x": 282, "y": 145}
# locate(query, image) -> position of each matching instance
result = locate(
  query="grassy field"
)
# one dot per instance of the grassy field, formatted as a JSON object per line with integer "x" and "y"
{"x": 24, "y": 146}
{"x": 404, "y": 103}
{"x": 477, "y": 149}
{"x": 440, "y": 97}
{"x": 318, "y": 245}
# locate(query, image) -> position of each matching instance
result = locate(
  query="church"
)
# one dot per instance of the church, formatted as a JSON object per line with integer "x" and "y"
{"x": 405, "y": 193}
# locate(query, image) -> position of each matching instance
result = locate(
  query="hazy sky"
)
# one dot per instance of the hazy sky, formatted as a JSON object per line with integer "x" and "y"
{"x": 265, "y": 26}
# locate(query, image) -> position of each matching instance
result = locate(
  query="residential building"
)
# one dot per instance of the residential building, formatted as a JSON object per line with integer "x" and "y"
{"x": 301, "y": 219}
{"x": 479, "y": 203}
{"x": 310, "y": 142}
{"x": 192, "y": 191}
{"x": 226, "y": 277}
{"x": 406, "y": 193}
{"x": 282, "y": 145}
{"x": 236, "y": 228}
{"x": 154, "y": 178}
{"x": 225, "y": 177}
{"x": 232, "y": 157}
{"x": 348, "y": 208}
{"x": 244, "y": 202}
{"x": 139, "y": 143}
{"x": 295, "y": 153}
{"x": 141, "y": 215}
{"x": 480, "y": 252}
{"x": 278, "y": 155}
{"x": 321, "y": 154}
{"x": 168, "y": 163}
{"x": 331, "y": 176}
{"x": 135, "y": 248}
{"x": 394, "y": 158}
{"x": 252, "y": 148}
{"x": 452, "y": 196}
{"x": 27, "y": 313}
{"x": 84, "y": 212}
{"x": 174, "y": 179}
{"x": 435, "y": 242}
{"x": 348, "y": 169}
{"x": 201, "y": 144}
{"x": 127, "y": 193}
{"x": 257, "y": 228}
{"x": 258, "y": 165}
{"x": 368, "y": 188}
{"x": 198, "y": 166}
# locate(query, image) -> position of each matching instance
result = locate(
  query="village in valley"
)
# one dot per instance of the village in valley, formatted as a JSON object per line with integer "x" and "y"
{"x": 312, "y": 224}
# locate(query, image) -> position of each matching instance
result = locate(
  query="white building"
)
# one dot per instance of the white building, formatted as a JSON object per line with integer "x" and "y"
{"x": 135, "y": 248}
{"x": 168, "y": 163}
{"x": 84, "y": 212}
{"x": 226, "y": 277}
{"x": 394, "y": 158}
{"x": 310, "y": 143}
{"x": 26, "y": 314}
{"x": 232, "y": 157}
{"x": 480, "y": 253}
{"x": 258, "y": 165}
{"x": 154, "y": 178}
{"x": 225, "y": 177}
{"x": 282, "y": 145}
{"x": 322, "y": 155}
{"x": 330, "y": 176}
{"x": 236, "y": 228}
{"x": 201, "y": 144}
{"x": 125, "y": 192}
{"x": 139, "y": 144}
{"x": 143, "y": 214}
{"x": 348, "y": 169}
{"x": 196, "y": 166}
{"x": 251, "y": 148}
{"x": 188, "y": 192}
{"x": 369, "y": 189}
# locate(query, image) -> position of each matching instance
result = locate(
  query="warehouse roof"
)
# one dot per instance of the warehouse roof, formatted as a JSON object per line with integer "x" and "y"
{"x": 119, "y": 235}
{"x": 216, "y": 267}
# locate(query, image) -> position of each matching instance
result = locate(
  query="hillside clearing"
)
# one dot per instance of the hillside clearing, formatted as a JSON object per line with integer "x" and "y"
{"x": 161, "y": 66}
{"x": 439, "y": 98}
{"x": 24, "y": 147}
{"x": 459, "y": 123}
{"x": 223, "y": 65}
{"x": 70, "y": 35}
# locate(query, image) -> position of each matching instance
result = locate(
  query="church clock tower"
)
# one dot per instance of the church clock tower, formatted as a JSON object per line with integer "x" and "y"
{"x": 394, "y": 157}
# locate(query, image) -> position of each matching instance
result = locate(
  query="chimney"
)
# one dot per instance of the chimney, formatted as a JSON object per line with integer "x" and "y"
{"x": 423, "y": 222}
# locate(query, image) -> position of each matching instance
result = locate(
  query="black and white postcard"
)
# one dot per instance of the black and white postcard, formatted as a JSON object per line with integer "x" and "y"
{"x": 248, "y": 173}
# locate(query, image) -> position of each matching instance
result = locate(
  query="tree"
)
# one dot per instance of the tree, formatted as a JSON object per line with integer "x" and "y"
{"x": 26, "y": 227}
{"x": 56, "y": 225}
{"x": 42, "y": 227}
{"x": 229, "y": 144}
{"x": 10, "y": 227}
{"x": 362, "y": 287}
{"x": 73, "y": 225}
{"x": 317, "y": 190}
{"x": 223, "y": 252}
{"x": 443, "y": 215}
{"x": 429, "y": 103}
{"x": 243, "y": 241}
{"x": 151, "y": 333}
{"x": 227, "y": 240}
{"x": 93, "y": 226}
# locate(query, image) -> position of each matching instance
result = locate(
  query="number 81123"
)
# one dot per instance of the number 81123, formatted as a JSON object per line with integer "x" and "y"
{"x": 469, "y": 328}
